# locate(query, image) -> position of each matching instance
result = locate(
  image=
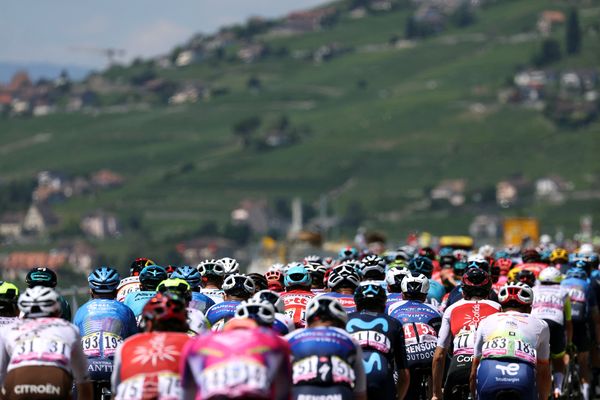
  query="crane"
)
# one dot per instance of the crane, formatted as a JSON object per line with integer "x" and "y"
{"x": 110, "y": 53}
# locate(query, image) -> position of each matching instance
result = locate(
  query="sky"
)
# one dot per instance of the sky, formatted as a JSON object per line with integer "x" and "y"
{"x": 62, "y": 31}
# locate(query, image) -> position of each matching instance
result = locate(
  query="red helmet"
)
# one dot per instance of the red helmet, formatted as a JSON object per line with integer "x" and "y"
{"x": 505, "y": 264}
{"x": 517, "y": 293}
{"x": 164, "y": 307}
{"x": 476, "y": 283}
{"x": 274, "y": 280}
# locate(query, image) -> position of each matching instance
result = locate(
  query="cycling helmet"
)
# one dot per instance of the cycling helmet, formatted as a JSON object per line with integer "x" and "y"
{"x": 151, "y": 276}
{"x": 274, "y": 280}
{"x": 370, "y": 294}
{"x": 373, "y": 267}
{"x": 461, "y": 254}
{"x": 476, "y": 283}
{"x": 577, "y": 272}
{"x": 211, "y": 267}
{"x": 478, "y": 261}
{"x": 530, "y": 256}
{"x": 261, "y": 311}
{"x": 559, "y": 256}
{"x": 459, "y": 268}
{"x": 41, "y": 276}
{"x": 486, "y": 250}
{"x": 104, "y": 280}
{"x": 421, "y": 265}
{"x": 415, "y": 284}
{"x": 188, "y": 274}
{"x": 39, "y": 301}
{"x": 526, "y": 276}
{"x": 138, "y": 265}
{"x": 329, "y": 262}
{"x": 273, "y": 298}
{"x": 164, "y": 307}
{"x": 231, "y": 265}
{"x": 312, "y": 259}
{"x": 427, "y": 252}
{"x": 9, "y": 293}
{"x": 505, "y": 265}
{"x": 238, "y": 285}
{"x": 501, "y": 254}
{"x": 260, "y": 282}
{"x": 447, "y": 257}
{"x": 406, "y": 252}
{"x": 348, "y": 254}
{"x": 327, "y": 309}
{"x": 297, "y": 275}
{"x": 515, "y": 294}
{"x": 178, "y": 286}
{"x": 398, "y": 264}
{"x": 545, "y": 255}
{"x": 343, "y": 276}
{"x": 394, "y": 278}
{"x": 277, "y": 267}
{"x": 170, "y": 269}
{"x": 550, "y": 275}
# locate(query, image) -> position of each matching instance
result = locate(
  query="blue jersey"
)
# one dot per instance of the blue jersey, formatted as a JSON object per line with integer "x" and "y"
{"x": 391, "y": 299}
{"x": 201, "y": 302}
{"x": 582, "y": 298}
{"x": 103, "y": 324}
{"x": 436, "y": 291}
{"x": 137, "y": 300}
{"x": 346, "y": 300}
{"x": 222, "y": 312}
{"x": 323, "y": 356}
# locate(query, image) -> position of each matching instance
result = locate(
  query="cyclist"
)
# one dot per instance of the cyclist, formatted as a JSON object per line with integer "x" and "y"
{"x": 317, "y": 273}
{"x": 237, "y": 288}
{"x": 9, "y": 311}
{"x": 213, "y": 274}
{"x": 282, "y": 324}
{"x": 382, "y": 340}
{"x": 343, "y": 281}
{"x": 260, "y": 282}
{"x": 42, "y": 276}
{"x": 421, "y": 323}
{"x": 231, "y": 265}
{"x": 150, "y": 277}
{"x": 456, "y": 293}
{"x": 559, "y": 257}
{"x": 552, "y": 304}
{"x": 132, "y": 282}
{"x": 147, "y": 364}
{"x": 260, "y": 311}
{"x": 512, "y": 350}
{"x": 348, "y": 253}
{"x": 103, "y": 324}
{"x": 584, "y": 314}
{"x": 327, "y": 362}
{"x": 196, "y": 319}
{"x": 191, "y": 275}
{"x": 373, "y": 269}
{"x": 423, "y": 265}
{"x": 459, "y": 323}
{"x": 527, "y": 277}
{"x": 394, "y": 278}
{"x": 244, "y": 361}
{"x": 274, "y": 280}
{"x": 41, "y": 355}
{"x": 297, "y": 293}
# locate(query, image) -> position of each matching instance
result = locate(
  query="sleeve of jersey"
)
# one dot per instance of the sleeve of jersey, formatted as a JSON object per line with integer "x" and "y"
{"x": 444, "y": 336}
{"x": 359, "y": 372}
{"x": 567, "y": 308}
{"x": 543, "y": 351}
{"x": 79, "y": 361}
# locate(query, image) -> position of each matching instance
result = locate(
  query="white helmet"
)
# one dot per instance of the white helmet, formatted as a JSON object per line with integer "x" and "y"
{"x": 517, "y": 291}
{"x": 586, "y": 248}
{"x": 259, "y": 310}
{"x": 277, "y": 267}
{"x": 395, "y": 275}
{"x": 477, "y": 257}
{"x": 486, "y": 250}
{"x": 272, "y": 297}
{"x": 328, "y": 306}
{"x": 211, "y": 267}
{"x": 231, "y": 265}
{"x": 343, "y": 273}
{"x": 550, "y": 275}
{"x": 239, "y": 285}
{"x": 415, "y": 284}
{"x": 39, "y": 301}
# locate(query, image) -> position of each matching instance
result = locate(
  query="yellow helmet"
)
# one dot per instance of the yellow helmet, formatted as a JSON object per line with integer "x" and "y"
{"x": 9, "y": 292}
{"x": 559, "y": 255}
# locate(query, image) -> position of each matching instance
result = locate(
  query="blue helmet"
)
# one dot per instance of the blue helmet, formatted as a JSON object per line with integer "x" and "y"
{"x": 297, "y": 275}
{"x": 188, "y": 274}
{"x": 347, "y": 254}
{"x": 152, "y": 275}
{"x": 577, "y": 272}
{"x": 104, "y": 280}
{"x": 421, "y": 265}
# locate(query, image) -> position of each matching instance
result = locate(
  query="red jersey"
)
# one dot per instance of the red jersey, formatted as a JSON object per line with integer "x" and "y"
{"x": 295, "y": 302}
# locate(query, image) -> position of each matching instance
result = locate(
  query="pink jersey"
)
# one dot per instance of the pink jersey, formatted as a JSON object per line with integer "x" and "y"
{"x": 238, "y": 363}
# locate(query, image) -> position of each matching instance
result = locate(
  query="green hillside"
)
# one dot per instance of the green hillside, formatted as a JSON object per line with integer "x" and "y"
{"x": 380, "y": 126}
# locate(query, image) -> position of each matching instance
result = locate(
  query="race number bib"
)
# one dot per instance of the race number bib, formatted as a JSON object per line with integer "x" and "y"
{"x": 92, "y": 344}
{"x": 342, "y": 371}
{"x": 323, "y": 369}
{"x": 43, "y": 349}
{"x": 233, "y": 379}
{"x": 464, "y": 342}
{"x": 503, "y": 347}
{"x": 142, "y": 387}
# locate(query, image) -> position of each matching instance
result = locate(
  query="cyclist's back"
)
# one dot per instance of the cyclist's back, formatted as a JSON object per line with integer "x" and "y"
{"x": 150, "y": 277}
{"x": 237, "y": 288}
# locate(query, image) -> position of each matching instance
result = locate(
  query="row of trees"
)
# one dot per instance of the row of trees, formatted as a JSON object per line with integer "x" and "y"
{"x": 550, "y": 50}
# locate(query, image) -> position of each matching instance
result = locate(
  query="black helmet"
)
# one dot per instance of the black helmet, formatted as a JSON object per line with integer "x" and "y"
{"x": 370, "y": 295}
{"x": 139, "y": 264}
{"x": 41, "y": 276}
{"x": 476, "y": 283}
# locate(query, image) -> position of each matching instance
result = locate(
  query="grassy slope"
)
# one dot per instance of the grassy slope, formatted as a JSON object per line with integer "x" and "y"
{"x": 395, "y": 138}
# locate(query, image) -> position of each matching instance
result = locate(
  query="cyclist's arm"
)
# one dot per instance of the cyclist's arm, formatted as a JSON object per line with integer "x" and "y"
{"x": 543, "y": 374}
{"x": 438, "y": 371}
{"x": 479, "y": 339}
{"x": 568, "y": 322}
{"x": 4, "y": 358}
{"x": 360, "y": 388}
{"x": 473, "y": 376}
{"x": 401, "y": 367}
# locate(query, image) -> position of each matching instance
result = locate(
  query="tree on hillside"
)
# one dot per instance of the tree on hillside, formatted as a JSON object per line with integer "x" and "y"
{"x": 245, "y": 128}
{"x": 573, "y": 33}
{"x": 549, "y": 53}
{"x": 412, "y": 29}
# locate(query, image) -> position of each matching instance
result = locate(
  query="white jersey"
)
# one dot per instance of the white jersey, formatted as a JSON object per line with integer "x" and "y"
{"x": 7, "y": 320}
{"x": 549, "y": 302}
{"x": 197, "y": 321}
{"x": 50, "y": 342}
{"x": 513, "y": 335}
{"x": 215, "y": 294}
{"x": 127, "y": 285}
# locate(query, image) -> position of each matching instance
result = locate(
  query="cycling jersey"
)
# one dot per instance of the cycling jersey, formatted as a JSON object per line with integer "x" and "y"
{"x": 436, "y": 291}
{"x": 382, "y": 340}
{"x": 283, "y": 324}
{"x": 421, "y": 323}
{"x": 201, "y": 302}
{"x": 65, "y": 309}
{"x": 220, "y": 313}
{"x": 551, "y": 302}
{"x": 295, "y": 302}
{"x": 137, "y": 300}
{"x": 392, "y": 298}
{"x": 240, "y": 363}
{"x": 582, "y": 298}
{"x": 346, "y": 300}
{"x": 7, "y": 320}
{"x": 197, "y": 321}
{"x": 456, "y": 295}
{"x": 326, "y": 357}
{"x": 216, "y": 295}
{"x": 147, "y": 366}
{"x": 51, "y": 342}
{"x": 127, "y": 285}
{"x": 103, "y": 325}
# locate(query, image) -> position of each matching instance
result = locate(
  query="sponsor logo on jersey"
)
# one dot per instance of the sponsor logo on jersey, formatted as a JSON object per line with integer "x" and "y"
{"x": 37, "y": 389}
